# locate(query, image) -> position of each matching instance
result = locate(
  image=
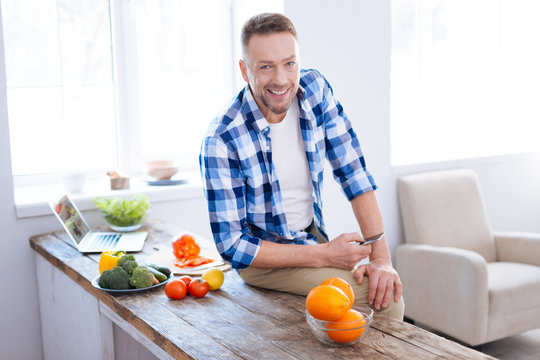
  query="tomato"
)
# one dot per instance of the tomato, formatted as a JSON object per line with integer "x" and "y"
{"x": 186, "y": 279}
{"x": 176, "y": 289}
{"x": 199, "y": 288}
{"x": 185, "y": 247}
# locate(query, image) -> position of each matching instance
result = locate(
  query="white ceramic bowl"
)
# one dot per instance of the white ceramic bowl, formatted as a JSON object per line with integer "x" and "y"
{"x": 341, "y": 333}
{"x": 74, "y": 181}
{"x": 161, "y": 169}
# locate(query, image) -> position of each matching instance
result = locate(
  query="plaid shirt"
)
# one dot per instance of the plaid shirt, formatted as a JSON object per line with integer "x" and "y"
{"x": 241, "y": 188}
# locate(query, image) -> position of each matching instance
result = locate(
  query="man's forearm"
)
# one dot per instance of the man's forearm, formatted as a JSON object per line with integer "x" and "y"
{"x": 273, "y": 255}
{"x": 367, "y": 213}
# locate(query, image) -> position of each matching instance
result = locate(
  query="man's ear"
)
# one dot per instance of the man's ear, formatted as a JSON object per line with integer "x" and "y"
{"x": 243, "y": 69}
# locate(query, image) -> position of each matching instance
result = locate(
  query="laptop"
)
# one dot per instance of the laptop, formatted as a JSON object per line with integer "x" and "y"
{"x": 87, "y": 241}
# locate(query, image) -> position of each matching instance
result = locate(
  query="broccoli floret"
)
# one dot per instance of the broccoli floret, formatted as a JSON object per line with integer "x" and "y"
{"x": 125, "y": 258}
{"x": 118, "y": 279}
{"x": 105, "y": 279}
{"x": 141, "y": 278}
{"x": 129, "y": 266}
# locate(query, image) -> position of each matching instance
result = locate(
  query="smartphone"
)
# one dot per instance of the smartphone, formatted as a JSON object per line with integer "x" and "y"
{"x": 372, "y": 239}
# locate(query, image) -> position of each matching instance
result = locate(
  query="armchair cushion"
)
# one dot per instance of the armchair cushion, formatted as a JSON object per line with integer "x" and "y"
{"x": 431, "y": 201}
{"x": 512, "y": 286}
{"x": 518, "y": 247}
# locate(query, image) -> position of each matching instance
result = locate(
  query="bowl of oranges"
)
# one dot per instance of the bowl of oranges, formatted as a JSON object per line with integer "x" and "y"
{"x": 332, "y": 316}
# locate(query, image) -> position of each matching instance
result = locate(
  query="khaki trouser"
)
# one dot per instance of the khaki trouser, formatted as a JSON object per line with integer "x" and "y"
{"x": 300, "y": 280}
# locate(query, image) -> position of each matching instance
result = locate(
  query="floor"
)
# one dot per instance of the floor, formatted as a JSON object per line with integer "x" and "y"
{"x": 525, "y": 346}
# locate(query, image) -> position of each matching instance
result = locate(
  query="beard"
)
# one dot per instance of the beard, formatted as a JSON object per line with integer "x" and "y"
{"x": 273, "y": 106}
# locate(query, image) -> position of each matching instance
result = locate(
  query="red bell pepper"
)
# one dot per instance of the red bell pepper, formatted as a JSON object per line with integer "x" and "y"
{"x": 185, "y": 247}
{"x": 186, "y": 250}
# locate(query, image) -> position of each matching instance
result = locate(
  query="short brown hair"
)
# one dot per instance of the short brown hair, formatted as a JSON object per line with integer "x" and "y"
{"x": 266, "y": 23}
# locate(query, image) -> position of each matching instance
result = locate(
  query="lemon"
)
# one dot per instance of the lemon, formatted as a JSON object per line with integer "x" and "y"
{"x": 214, "y": 277}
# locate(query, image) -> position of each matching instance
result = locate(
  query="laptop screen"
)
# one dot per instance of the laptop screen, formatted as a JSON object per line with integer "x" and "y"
{"x": 71, "y": 218}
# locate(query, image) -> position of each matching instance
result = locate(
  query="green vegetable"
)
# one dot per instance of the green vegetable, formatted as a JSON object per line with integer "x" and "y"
{"x": 123, "y": 212}
{"x": 116, "y": 278}
{"x": 125, "y": 258}
{"x": 129, "y": 266}
{"x": 158, "y": 274}
{"x": 105, "y": 279}
{"x": 161, "y": 268}
{"x": 141, "y": 278}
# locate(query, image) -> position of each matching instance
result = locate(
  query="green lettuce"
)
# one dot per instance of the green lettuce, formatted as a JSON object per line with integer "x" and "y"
{"x": 123, "y": 212}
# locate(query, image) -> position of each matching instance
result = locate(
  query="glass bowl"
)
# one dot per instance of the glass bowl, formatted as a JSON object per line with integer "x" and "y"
{"x": 341, "y": 333}
{"x": 124, "y": 223}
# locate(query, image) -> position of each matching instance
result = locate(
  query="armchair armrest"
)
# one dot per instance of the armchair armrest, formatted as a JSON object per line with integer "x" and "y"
{"x": 445, "y": 288}
{"x": 518, "y": 247}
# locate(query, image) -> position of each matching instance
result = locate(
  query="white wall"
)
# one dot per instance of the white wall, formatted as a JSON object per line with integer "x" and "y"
{"x": 349, "y": 42}
{"x": 21, "y": 335}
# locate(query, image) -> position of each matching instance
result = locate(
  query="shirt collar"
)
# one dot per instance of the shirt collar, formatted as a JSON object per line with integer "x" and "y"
{"x": 254, "y": 114}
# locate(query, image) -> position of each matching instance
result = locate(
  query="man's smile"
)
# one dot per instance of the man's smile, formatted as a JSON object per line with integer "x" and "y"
{"x": 278, "y": 92}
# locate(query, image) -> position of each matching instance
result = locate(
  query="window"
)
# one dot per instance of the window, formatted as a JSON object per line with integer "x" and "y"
{"x": 465, "y": 80}
{"x": 107, "y": 84}
{"x": 60, "y": 85}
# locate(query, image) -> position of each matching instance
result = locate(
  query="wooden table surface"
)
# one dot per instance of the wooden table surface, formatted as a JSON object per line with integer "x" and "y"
{"x": 238, "y": 321}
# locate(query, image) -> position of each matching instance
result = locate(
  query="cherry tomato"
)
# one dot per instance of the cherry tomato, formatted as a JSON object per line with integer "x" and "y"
{"x": 186, "y": 279}
{"x": 176, "y": 289}
{"x": 199, "y": 288}
{"x": 185, "y": 247}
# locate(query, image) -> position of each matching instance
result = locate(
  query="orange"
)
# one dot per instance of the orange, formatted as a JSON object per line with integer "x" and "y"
{"x": 327, "y": 302}
{"x": 343, "y": 285}
{"x": 343, "y": 324}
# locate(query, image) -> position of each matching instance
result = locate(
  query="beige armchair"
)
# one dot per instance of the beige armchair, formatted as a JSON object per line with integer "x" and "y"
{"x": 458, "y": 276}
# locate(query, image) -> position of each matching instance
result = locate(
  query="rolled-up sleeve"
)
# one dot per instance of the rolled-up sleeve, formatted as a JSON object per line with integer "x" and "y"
{"x": 343, "y": 148}
{"x": 225, "y": 194}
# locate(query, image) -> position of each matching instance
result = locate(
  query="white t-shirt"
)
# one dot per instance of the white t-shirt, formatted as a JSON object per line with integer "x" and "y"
{"x": 292, "y": 170}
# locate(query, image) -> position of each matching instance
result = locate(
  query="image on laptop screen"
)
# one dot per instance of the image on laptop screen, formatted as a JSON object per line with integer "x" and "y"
{"x": 71, "y": 219}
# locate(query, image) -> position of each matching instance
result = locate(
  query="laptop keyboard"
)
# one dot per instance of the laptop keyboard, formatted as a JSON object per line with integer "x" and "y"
{"x": 104, "y": 241}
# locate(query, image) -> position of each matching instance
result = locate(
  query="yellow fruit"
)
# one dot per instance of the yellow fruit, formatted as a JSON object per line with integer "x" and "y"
{"x": 214, "y": 277}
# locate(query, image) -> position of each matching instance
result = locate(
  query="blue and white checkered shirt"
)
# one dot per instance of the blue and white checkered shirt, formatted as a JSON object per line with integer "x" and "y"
{"x": 241, "y": 188}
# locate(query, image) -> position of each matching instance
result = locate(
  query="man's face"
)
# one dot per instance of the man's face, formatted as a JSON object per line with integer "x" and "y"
{"x": 271, "y": 67}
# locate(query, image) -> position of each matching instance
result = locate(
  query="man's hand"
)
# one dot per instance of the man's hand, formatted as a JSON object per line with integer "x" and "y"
{"x": 383, "y": 279}
{"x": 344, "y": 252}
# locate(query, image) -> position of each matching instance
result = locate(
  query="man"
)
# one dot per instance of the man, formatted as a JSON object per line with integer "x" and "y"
{"x": 262, "y": 165}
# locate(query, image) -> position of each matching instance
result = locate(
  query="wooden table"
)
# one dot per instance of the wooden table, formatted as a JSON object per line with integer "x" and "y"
{"x": 236, "y": 322}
